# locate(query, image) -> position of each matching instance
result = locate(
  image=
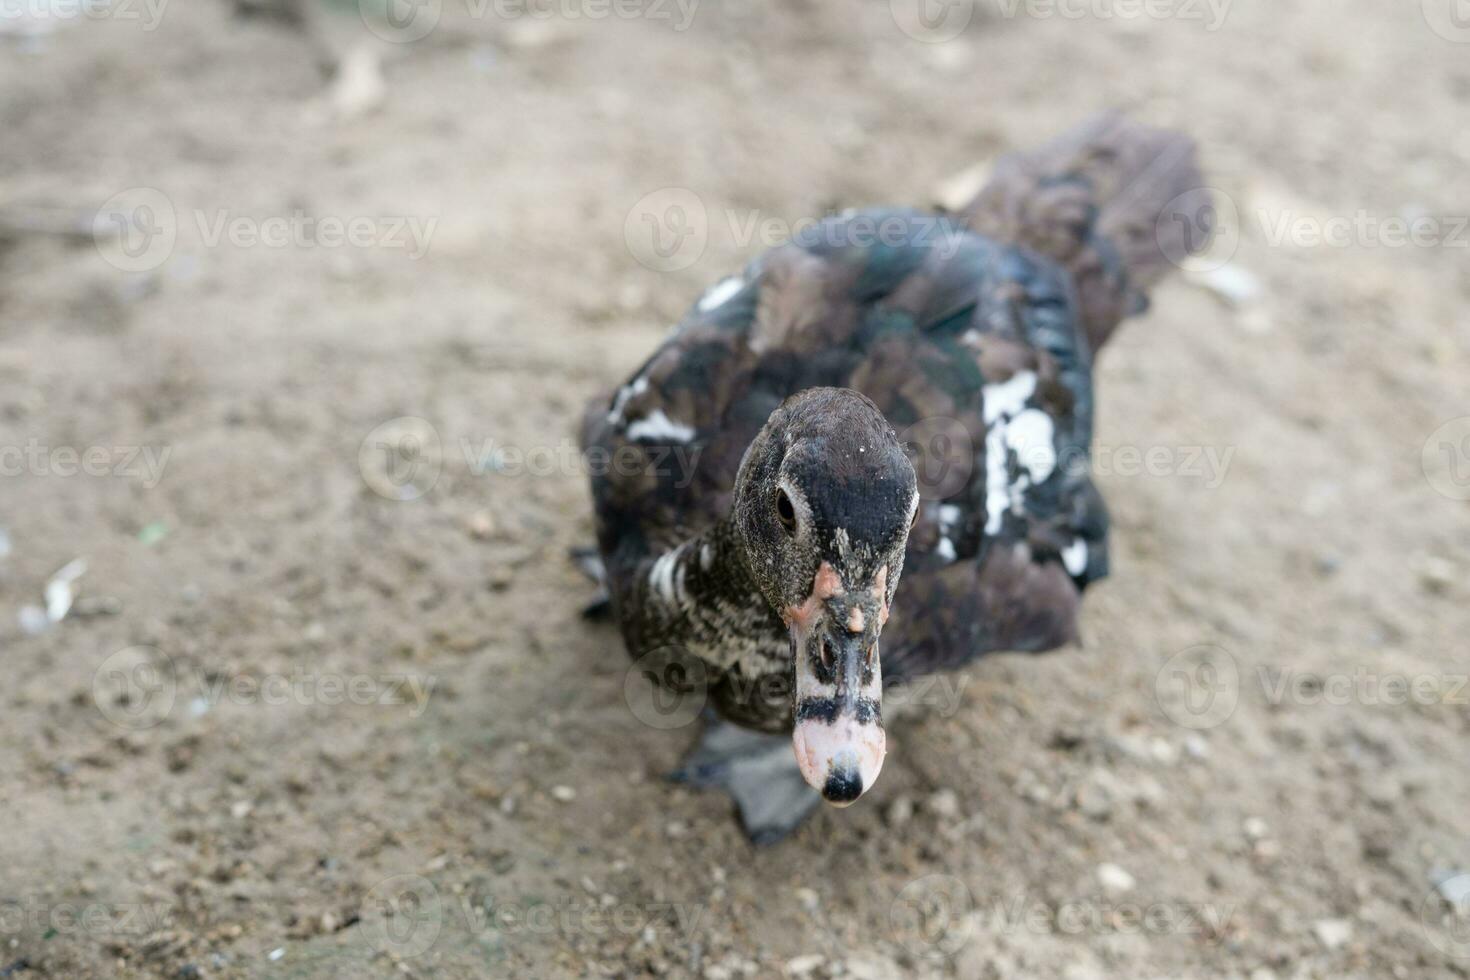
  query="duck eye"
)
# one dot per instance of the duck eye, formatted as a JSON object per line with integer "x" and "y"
{"x": 785, "y": 510}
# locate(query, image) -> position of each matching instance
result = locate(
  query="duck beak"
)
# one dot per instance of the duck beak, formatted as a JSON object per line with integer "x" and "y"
{"x": 838, "y": 736}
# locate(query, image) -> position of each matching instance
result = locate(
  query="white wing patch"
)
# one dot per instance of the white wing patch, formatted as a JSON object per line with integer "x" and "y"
{"x": 626, "y": 394}
{"x": 720, "y": 293}
{"x": 1074, "y": 557}
{"x": 949, "y": 519}
{"x": 658, "y": 427}
{"x": 945, "y": 549}
{"x": 1011, "y": 426}
{"x": 661, "y": 578}
{"x": 1030, "y": 434}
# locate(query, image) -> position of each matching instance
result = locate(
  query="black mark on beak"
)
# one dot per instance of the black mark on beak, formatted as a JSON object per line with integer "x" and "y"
{"x": 843, "y": 785}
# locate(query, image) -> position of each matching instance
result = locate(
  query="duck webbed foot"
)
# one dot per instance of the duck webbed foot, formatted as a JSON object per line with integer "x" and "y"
{"x": 759, "y": 772}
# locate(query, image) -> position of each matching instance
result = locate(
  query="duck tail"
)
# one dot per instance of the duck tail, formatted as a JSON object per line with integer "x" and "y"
{"x": 1117, "y": 203}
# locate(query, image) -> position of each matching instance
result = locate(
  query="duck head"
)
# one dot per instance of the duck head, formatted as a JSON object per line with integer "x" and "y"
{"x": 823, "y": 504}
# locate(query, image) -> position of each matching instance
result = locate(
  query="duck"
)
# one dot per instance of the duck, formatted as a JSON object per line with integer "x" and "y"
{"x": 863, "y": 461}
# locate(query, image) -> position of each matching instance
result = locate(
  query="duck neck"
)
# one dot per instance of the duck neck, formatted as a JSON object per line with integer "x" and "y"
{"x": 701, "y": 596}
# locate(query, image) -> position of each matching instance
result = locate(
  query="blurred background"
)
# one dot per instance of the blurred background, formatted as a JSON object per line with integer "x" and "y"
{"x": 300, "y": 302}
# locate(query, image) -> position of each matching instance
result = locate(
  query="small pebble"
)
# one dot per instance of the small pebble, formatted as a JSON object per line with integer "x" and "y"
{"x": 1196, "y": 747}
{"x": 1114, "y": 879}
{"x": 900, "y": 812}
{"x": 1163, "y": 751}
{"x": 1333, "y": 933}
{"x": 481, "y": 525}
{"x": 564, "y": 794}
{"x": 945, "y": 803}
{"x": 1236, "y": 285}
{"x": 1255, "y": 828}
{"x": 276, "y": 954}
{"x": 800, "y": 966}
{"x": 1098, "y": 794}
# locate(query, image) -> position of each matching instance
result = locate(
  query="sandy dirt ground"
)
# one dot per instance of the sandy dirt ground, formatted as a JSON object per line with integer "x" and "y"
{"x": 291, "y": 726}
